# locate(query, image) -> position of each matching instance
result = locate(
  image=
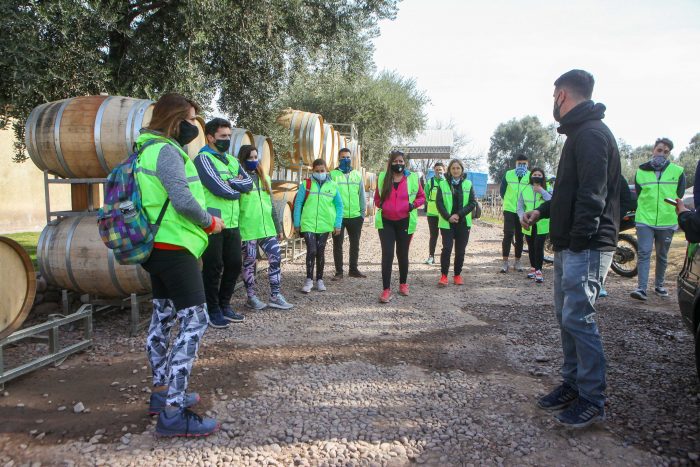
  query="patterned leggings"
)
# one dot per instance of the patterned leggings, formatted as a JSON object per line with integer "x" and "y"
{"x": 274, "y": 257}
{"x": 315, "y": 253}
{"x": 172, "y": 367}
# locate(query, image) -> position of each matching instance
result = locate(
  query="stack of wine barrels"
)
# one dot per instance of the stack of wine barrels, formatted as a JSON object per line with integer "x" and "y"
{"x": 306, "y": 129}
{"x": 283, "y": 193}
{"x": 17, "y": 286}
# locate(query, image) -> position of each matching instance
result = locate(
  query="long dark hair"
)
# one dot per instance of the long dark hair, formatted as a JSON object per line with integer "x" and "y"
{"x": 243, "y": 155}
{"x": 544, "y": 176}
{"x": 386, "y": 187}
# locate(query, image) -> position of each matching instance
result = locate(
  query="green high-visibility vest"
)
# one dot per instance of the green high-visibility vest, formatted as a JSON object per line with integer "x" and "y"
{"x": 227, "y": 209}
{"x": 651, "y": 209}
{"x": 174, "y": 229}
{"x": 413, "y": 185}
{"x": 318, "y": 212}
{"x": 513, "y": 190}
{"x": 350, "y": 186}
{"x": 431, "y": 195}
{"x": 448, "y": 199}
{"x": 532, "y": 201}
{"x": 255, "y": 218}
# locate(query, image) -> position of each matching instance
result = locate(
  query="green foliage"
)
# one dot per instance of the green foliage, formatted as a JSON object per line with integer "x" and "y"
{"x": 29, "y": 241}
{"x": 689, "y": 158}
{"x": 248, "y": 50}
{"x": 384, "y": 107}
{"x": 632, "y": 158}
{"x": 541, "y": 144}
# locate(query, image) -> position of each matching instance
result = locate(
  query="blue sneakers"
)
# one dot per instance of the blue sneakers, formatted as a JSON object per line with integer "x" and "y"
{"x": 157, "y": 402}
{"x": 184, "y": 422}
{"x": 561, "y": 397}
{"x": 231, "y": 315}
{"x": 581, "y": 414}
{"x": 216, "y": 319}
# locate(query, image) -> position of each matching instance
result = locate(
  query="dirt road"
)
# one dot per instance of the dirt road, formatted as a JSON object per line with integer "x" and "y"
{"x": 443, "y": 377}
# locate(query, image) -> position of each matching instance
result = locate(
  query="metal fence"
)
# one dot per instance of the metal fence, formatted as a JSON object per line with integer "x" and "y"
{"x": 492, "y": 205}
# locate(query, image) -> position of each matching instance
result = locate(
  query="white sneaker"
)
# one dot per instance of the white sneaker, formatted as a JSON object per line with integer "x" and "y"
{"x": 308, "y": 284}
{"x": 518, "y": 267}
{"x": 320, "y": 286}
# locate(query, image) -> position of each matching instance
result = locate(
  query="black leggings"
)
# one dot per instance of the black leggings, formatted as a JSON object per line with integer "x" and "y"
{"x": 457, "y": 234}
{"x": 175, "y": 275}
{"x": 535, "y": 248}
{"x": 394, "y": 234}
{"x": 354, "y": 226}
{"x": 434, "y": 234}
{"x": 315, "y": 253}
{"x": 511, "y": 225}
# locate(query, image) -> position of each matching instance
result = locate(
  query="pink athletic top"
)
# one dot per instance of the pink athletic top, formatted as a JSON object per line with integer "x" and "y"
{"x": 395, "y": 207}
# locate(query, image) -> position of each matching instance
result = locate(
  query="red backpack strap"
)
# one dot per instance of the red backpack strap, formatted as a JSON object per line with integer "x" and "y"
{"x": 308, "y": 188}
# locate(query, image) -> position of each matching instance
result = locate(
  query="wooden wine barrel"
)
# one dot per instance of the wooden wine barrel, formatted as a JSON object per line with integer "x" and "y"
{"x": 239, "y": 137}
{"x": 370, "y": 181}
{"x": 283, "y": 211}
{"x": 306, "y": 129}
{"x": 329, "y": 149}
{"x": 356, "y": 154}
{"x": 266, "y": 153}
{"x": 71, "y": 255}
{"x": 284, "y": 190}
{"x": 85, "y": 137}
{"x": 17, "y": 286}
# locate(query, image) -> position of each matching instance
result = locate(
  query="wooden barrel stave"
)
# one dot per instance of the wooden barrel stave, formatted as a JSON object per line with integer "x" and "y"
{"x": 266, "y": 153}
{"x": 283, "y": 212}
{"x": 71, "y": 255}
{"x": 239, "y": 137}
{"x": 17, "y": 286}
{"x": 306, "y": 129}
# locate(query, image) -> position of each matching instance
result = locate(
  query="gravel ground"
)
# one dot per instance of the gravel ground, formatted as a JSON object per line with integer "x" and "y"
{"x": 443, "y": 377}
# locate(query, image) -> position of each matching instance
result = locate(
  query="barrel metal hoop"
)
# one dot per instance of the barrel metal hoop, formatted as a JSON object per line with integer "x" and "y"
{"x": 113, "y": 273}
{"x": 137, "y": 123}
{"x": 57, "y": 138}
{"x": 129, "y": 136}
{"x": 69, "y": 265}
{"x": 98, "y": 134}
{"x": 305, "y": 131}
{"x": 43, "y": 251}
{"x": 295, "y": 141}
{"x": 30, "y": 136}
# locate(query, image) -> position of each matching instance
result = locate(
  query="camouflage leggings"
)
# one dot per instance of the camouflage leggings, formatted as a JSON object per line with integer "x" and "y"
{"x": 172, "y": 367}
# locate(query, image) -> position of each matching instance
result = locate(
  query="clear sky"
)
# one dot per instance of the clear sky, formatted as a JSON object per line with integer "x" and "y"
{"x": 485, "y": 62}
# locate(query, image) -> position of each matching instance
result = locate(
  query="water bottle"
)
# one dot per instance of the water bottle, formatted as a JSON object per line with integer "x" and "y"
{"x": 128, "y": 210}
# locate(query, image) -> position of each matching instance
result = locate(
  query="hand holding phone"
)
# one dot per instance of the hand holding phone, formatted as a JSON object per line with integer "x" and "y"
{"x": 671, "y": 201}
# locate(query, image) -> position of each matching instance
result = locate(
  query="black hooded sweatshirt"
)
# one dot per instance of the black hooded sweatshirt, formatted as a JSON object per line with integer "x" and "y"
{"x": 585, "y": 208}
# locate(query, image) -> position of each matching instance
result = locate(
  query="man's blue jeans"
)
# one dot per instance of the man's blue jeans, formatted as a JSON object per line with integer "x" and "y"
{"x": 578, "y": 278}
{"x": 648, "y": 238}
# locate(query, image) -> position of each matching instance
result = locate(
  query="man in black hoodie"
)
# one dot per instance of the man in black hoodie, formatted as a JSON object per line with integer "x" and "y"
{"x": 584, "y": 218}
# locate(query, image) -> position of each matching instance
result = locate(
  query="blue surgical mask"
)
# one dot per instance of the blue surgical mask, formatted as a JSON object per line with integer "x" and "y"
{"x": 345, "y": 165}
{"x": 251, "y": 165}
{"x": 320, "y": 177}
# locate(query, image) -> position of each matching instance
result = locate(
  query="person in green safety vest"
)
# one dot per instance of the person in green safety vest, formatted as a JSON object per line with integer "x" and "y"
{"x": 317, "y": 212}
{"x": 260, "y": 228}
{"x": 352, "y": 191}
{"x": 514, "y": 181}
{"x": 432, "y": 212}
{"x": 169, "y": 185}
{"x": 656, "y": 220}
{"x": 224, "y": 181}
{"x": 398, "y": 195}
{"x": 455, "y": 202}
{"x": 530, "y": 199}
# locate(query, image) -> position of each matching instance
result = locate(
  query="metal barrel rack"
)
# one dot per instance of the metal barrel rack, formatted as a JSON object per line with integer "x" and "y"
{"x": 48, "y": 332}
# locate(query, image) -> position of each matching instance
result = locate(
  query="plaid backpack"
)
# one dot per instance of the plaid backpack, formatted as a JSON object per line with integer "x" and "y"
{"x": 122, "y": 221}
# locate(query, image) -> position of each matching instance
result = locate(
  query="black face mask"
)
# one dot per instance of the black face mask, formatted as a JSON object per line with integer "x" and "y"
{"x": 538, "y": 180}
{"x": 222, "y": 145}
{"x": 398, "y": 168}
{"x": 556, "y": 110}
{"x": 188, "y": 133}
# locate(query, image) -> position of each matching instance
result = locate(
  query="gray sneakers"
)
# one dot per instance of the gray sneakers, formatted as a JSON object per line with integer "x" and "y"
{"x": 280, "y": 302}
{"x": 518, "y": 267}
{"x": 255, "y": 303}
{"x": 308, "y": 285}
{"x": 661, "y": 291}
{"x": 320, "y": 286}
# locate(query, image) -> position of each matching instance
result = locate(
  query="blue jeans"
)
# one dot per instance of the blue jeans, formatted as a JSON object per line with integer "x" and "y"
{"x": 578, "y": 278}
{"x": 661, "y": 240}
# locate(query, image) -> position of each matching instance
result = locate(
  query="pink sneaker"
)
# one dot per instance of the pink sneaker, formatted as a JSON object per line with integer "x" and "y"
{"x": 539, "y": 277}
{"x": 531, "y": 273}
{"x": 386, "y": 296}
{"x": 403, "y": 290}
